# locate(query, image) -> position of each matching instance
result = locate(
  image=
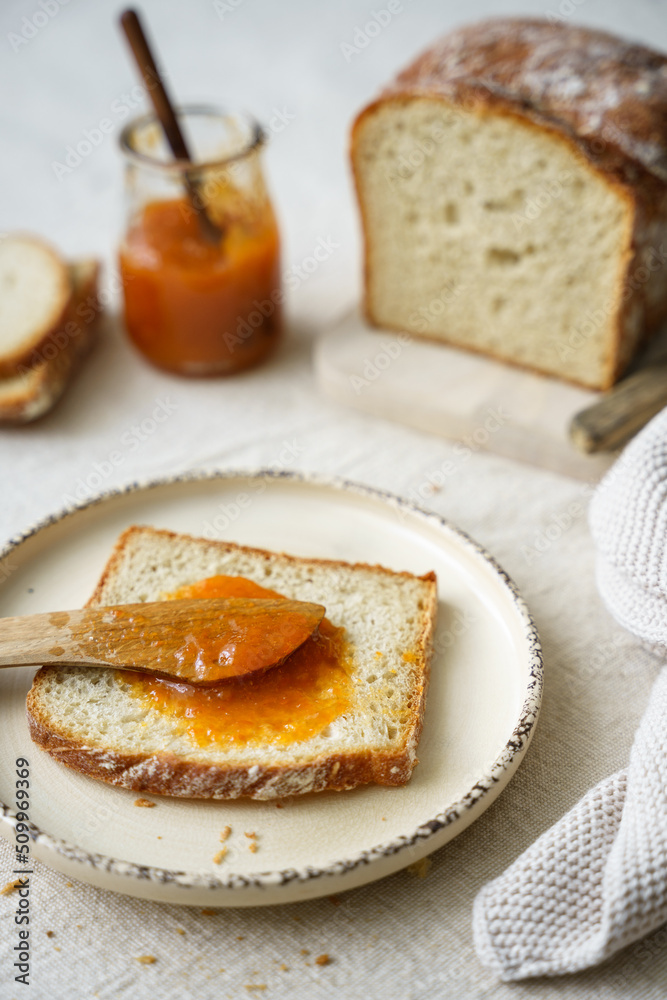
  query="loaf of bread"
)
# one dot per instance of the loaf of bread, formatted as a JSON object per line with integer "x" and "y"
{"x": 94, "y": 721}
{"x": 513, "y": 192}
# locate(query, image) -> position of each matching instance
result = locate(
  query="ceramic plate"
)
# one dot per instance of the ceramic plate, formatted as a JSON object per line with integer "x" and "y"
{"x": 481, "y": 709}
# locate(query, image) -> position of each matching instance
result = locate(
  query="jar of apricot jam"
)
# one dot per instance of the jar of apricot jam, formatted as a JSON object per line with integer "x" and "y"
{"x": 197, "y": 304}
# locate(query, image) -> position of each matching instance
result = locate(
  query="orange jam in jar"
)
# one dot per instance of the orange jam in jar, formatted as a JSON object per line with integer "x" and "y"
{"x": 294, "y": 701}
{"x": 193, "y": 304}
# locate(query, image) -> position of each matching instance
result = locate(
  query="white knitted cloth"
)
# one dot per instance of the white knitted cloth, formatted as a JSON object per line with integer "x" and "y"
{"x": 597, "y": 880}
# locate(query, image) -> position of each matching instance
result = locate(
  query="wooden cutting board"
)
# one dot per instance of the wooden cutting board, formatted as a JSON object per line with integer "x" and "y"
{"x": 481, "y": 403}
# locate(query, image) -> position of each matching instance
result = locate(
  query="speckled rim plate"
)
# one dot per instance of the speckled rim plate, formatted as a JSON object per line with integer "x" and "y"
{"x": 482, "y": 708}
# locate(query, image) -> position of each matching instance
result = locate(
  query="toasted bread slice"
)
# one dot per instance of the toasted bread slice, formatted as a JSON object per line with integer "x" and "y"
{"x": 94, "y": 722}
{"x": 35, "y": 389}
{"x": 35, "y": 289}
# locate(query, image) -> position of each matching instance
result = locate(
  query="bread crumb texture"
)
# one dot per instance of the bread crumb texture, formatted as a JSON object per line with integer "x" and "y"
{"x": 145, "y": 803}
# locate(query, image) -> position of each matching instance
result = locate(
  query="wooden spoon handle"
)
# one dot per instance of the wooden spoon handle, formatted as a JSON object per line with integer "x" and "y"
{"x": 166, "y": 115}
{"x": 201, "y": 641}
{"x": 41, "y": 639}
{"x": 621, "y": 412}
{"x": 154, "y": 83}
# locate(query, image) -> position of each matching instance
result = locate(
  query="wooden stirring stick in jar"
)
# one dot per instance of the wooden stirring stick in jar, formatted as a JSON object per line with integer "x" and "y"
{"x": 199, "y": 641}
{"x": 166, "y": 115}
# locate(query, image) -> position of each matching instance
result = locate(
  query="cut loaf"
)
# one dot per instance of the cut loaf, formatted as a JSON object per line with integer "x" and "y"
{"x": 90, "y": 721}
{"x": 513, "y": 191}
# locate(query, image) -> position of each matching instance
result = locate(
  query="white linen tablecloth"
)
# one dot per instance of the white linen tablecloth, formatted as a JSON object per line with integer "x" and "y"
{"x": 406, "y": 936}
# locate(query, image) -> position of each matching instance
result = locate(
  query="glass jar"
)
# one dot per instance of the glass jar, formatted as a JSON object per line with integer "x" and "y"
{"x": 196, "y": 305}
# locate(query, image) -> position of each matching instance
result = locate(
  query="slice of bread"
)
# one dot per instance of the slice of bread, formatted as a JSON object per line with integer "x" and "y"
{"x": 93, "y": 722}
{"x": 35, "y": 289}
{"x": 35, "y": 389}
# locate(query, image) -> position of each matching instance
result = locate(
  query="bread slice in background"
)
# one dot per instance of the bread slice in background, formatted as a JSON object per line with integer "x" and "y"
{"x": 512, "y": 183}
{"x": 38, "y": 385}
{"x": 90, "y": 721}
{"x": 35, "y": 289}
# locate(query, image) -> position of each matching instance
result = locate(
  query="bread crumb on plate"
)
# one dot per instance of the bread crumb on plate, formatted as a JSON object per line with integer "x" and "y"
{"x": 145, "y": 803}
{"x": 146, "y": 959}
